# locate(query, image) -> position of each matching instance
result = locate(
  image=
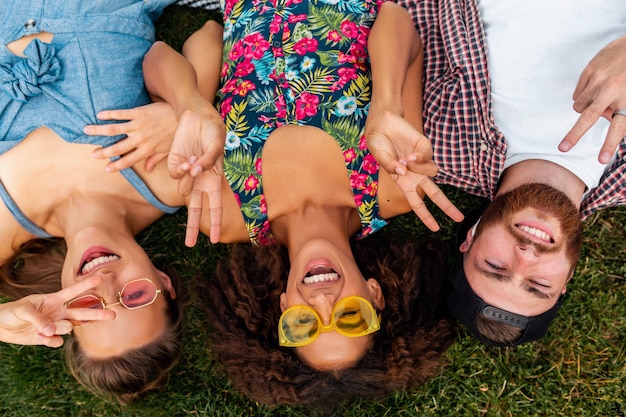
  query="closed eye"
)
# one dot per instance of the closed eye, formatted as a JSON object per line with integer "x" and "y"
{"x": 494, "y": 267}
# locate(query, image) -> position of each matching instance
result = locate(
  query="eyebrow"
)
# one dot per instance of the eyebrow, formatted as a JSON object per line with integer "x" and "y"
{"x": 505, "y": 278}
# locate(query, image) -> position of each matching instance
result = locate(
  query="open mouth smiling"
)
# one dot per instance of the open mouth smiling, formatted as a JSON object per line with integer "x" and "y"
{"x": 319, "y": 274}
{"x": 94, "y": 259}
{"x": 536, "y": 234}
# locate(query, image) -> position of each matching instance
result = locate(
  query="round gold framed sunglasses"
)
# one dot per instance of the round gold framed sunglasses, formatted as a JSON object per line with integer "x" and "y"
{"x": 134, "y": 294}
{"x": 351, "y": 316}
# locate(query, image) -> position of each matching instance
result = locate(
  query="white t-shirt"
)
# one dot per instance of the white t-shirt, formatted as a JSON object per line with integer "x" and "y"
{"x": 537, "y": 50}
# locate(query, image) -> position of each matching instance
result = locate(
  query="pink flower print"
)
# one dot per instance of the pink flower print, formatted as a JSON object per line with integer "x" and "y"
{"x": 229, "y": 86}
{"x": 364, "y": 33}
{"x": 372, "y": 188}
{"x": 224, "y": 70}
{"x": 349, "y": 29}
{"x": 275, "y": 25}
{"x": 257, "y": 45}
{"x": 358, "y": 199}
{"x": 290, "y": 2}
{"x": 333, "y": 36}
{"x": 343, "y": 58}
{"x": 349, "y": 155}
{"x": 362, "y": 143}
{"x": 226, "y": 106}
{"x": 357, "y": 180}
{"x": 294, "y": 18}
{"x": 228, "y": 6}
{"x": 244, "y": 87}
{"x": 237, "y": 199}
{"x": 347, "y": 74}
{"x": 244, "y": 68}
{"x": 251, "y": 183}
{"x": 369, "y": 164}
{"x": 257, "y": 166}
{"x": 281, "y": 107}
{"x": 262, "y": 205}
{"x": 264, "y": 236}
{"x": 237, "y": 51}
{"x": 286, "y": 31}
{"x": 306, "y": 105}
{"x": 366, "y": 232}
{"x": 305, "y": 45}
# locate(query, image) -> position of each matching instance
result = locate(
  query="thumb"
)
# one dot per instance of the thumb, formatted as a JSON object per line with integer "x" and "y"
{"x": 50, "y": 341}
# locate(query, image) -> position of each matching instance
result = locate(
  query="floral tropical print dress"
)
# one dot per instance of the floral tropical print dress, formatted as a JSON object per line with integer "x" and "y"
{"x": 296, "y": 62}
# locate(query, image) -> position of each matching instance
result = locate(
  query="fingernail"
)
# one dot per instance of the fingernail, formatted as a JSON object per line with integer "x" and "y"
{"x": 108, "y": 169}
{"x": 605, "y": 157}
{"x": 48, "y": 330}
{"x": 196, "y": 171}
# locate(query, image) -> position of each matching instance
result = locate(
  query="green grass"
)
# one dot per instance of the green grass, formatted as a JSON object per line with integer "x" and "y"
{"x": 579, "y": 369}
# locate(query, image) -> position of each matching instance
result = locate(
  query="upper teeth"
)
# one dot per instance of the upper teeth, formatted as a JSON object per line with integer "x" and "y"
{"x": 89, "y": 266}
{"x": 536, "y": 232}
{"x": 331, "y": 276}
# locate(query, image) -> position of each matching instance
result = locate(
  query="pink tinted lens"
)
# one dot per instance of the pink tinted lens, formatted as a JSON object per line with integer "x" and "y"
{"x": 138, "y": 293}
{"x": 86, "y": 301}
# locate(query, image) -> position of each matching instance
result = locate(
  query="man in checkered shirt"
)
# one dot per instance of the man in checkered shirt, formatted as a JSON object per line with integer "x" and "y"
{"x": 499, "y": 78}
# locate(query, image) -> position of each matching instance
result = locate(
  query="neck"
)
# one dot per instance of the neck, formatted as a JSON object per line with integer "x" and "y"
{"x": 543, "y": 172}
{"x": 79, "y": 213}
{"x": 335, "y": 223}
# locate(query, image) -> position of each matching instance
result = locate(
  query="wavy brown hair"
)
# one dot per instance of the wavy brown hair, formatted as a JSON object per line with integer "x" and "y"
{"x": 36, "y": 268}
{"x": 242, "y": 305}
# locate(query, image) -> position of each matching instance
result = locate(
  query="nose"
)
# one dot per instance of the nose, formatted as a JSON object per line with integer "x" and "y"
{"x": 527, "y": 252}
{"x": 323, "y": 304}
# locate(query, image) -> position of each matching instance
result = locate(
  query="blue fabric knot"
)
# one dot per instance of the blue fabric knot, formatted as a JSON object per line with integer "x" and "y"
{"x": 24, "y": 77}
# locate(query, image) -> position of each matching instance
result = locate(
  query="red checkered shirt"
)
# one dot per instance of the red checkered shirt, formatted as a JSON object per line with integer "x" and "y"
{"x": 469, "y": 149}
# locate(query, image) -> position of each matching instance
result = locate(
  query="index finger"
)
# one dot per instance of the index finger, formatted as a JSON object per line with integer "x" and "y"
{"x": 588, "y": 117}
{"x": 215, "y": 207}
{"x": 418, "y": 206}
{"x": 80, "y": 287}
{"x": 439, "y": 198}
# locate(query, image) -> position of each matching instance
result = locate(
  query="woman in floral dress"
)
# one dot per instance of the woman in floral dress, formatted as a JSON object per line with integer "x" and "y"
{"x": 313, "y": 101}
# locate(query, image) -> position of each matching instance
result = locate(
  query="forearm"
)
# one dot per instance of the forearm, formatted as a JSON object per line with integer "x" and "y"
{"x": 394, "y": 46}
{"x": 203, "y": 50}
{"x": 171, "y": 78}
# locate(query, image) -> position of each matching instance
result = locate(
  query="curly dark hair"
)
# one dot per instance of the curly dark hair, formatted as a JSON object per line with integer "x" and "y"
{"x": 242, "y": 305}
{"x": 36, "y": 269}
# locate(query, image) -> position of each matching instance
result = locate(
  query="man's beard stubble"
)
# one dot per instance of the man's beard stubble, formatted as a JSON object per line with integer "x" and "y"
{"x": 545, "y": 199}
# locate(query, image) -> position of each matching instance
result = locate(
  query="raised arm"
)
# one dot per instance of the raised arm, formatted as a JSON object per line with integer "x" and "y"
{"x": 198, "y": 146}
{"x": 40, "y": 319}
{"x": 394, "y": 124}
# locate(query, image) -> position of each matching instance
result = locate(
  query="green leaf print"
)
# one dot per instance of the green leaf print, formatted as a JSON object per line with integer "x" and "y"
{"x": 344, "y": 131}
{"x": 252, "y": 210}
{"x": 238, "y": 166}
{"x": 300, "y": 31}
{"x": 236, "y": 120}
{"x": 314, "y": 82}
{"x": 324, "y": 19}
{"x": 360, "y": 89}
{"x": 366, "y": 210}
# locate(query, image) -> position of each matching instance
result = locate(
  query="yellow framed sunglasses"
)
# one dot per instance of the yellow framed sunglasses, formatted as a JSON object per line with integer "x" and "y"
{"x": 352, "y": 316}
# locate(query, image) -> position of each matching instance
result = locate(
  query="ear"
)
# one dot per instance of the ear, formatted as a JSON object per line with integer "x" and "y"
{"x": 378, "y": 299}
{"x": 167, "y": 284}
{"x": 571, "y": 275}
{"x": 283, "y": 301}
{"x": 469, "y": 238}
